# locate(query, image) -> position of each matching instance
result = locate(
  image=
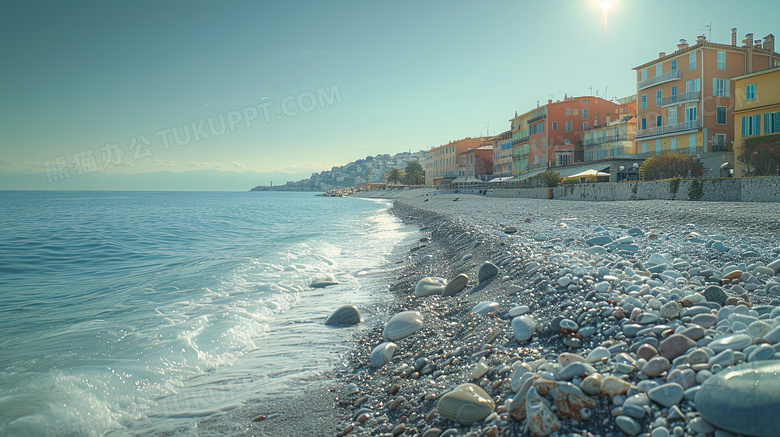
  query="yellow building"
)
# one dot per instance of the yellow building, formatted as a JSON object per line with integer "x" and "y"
{"x": 520, "y": 142}
{"x": 615, "y": 138}
{"x": 441, "y": 163}
{"x": 756, "y": 113}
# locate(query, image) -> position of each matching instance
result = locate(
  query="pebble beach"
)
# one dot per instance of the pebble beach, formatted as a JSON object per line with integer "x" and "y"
{"x": 539, "y": 317}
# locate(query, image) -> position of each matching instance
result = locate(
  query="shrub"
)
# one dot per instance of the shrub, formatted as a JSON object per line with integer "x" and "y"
{"x": 697, "y": 190}
{"x": 570, "y": 181}
{"x": 671, "y": 165}
{"x": 761, "y": 155}
{"x": 674, "y": 185}
{"x": 551, "y": 178}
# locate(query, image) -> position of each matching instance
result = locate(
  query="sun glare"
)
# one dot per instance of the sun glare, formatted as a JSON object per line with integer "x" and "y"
{"x": 605, "y": 5}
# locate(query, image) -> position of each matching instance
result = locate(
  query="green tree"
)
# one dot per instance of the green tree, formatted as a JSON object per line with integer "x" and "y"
{"x": 671, "y": 165}
{"x": 414, "y": 173}
{"x": 761, "y": 155}
{"x": 551, "y": 178}
{"x": 394, "y": 176}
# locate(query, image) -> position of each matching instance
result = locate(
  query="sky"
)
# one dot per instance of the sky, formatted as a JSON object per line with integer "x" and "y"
{"x": 285, "y": 89}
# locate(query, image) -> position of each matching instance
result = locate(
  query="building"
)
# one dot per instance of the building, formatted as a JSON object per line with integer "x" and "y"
{"x": 476, "y": 163}
{"x": 441, "y": 163}
{"x": 756, "y": 114}
{"x": 502, "y": 154}
{"x": 612, "y": 135}
{"x": 685, "y": 99}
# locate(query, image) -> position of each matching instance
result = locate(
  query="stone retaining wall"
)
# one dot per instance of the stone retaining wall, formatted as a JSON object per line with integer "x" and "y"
{"x": 764, "y": 189}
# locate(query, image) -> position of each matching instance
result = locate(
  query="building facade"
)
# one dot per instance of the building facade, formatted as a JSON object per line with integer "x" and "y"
{"x": 476, "y": 163}
{"x": 502, "y": 154}
{"x": 685, "y": 100}
{"x": 441, "y": 163}
{"x": 756, "y": 112}
{"x": 609, "y": 140}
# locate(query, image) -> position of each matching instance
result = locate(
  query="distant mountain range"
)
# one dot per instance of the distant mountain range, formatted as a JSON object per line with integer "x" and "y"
{"x": 195, "y": 180}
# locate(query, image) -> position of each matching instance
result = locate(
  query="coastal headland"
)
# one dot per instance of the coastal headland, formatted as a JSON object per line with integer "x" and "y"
{"x": 540, "y": 317}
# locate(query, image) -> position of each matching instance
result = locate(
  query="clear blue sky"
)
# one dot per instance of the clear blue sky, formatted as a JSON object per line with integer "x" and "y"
{"x": 399, "y": 75}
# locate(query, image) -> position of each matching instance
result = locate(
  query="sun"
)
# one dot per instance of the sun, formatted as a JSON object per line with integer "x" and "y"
{"x": 605, "y": 5}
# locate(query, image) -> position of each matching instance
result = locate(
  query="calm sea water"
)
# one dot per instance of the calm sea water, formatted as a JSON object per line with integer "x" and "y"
{"x": 135, "y": 312}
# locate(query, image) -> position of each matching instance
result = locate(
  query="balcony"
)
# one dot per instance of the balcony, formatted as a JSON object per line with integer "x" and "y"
{"x": 602, "y": 140}
{"x": 666, "y": 77}
{"x": 661, "y": 130}
{"x": 520, "y": 140}
{"x": 681, "y": 98}
{"x": 537, "y": 118}
{"x": 520, "y": 155}
{"x": 679, "y": 151}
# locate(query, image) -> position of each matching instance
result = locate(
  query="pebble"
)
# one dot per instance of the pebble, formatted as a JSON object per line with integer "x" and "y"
{"x": 345, "y": 315}
{"x": 612, "y": 386}
{"x": 486, "y": 271}
{"x": 430, "y": 286}
{"x": 675, "y": 345}
{"x": 456, "y": 285}
{"x": 382, "y": 354}
{"x": 667, "y": 395}
{"x": 628, "y": 425}
{"x": 735, "y": 342}
{"x": 483, "y": 308}
{"x": 465, "y": 404}
{"x": 519, "y": 311}
{"x": 403, "y": 325}
{"x": 656, "y": 366}
{"x": 523, "y": 327}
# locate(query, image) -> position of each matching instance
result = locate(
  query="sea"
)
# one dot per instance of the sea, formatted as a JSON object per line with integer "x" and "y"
{"x": 142, "y": 313}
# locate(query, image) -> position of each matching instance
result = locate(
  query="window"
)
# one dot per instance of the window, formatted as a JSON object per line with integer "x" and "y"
{"x": 568, "y": 111}
{"x": 692, "y": 143}
{"x": 584, "y": 101}
{"x": 584, "y": 114}
{"x": 644, "y": 101}
{"x": 533, "y": 144}
{"x": 721, "y": 60}
{"x": 674, "y": 64}
{"x": 644, "y": 123}
{"x": 644, "y": 74}
{"x": 690, "y": 113}
{"x": 672, "y": 119}
{"x": 751, "y": 125}
{"x": 674, "y": 90}
{"x": 657, "y": 146}
{"x": 673, "y": 143}
{"x": 750, "y": 92}
{"x": 575, "y": 111}
{"x": 568, "y": 126}
{"x": 658, "y": 97}
{"x": 720, "y": 87}
{"x": 544, "y": 143}
{"x": 566, "y": 141}
{"x": 644, "y": 146}
{"x": 585, "y": 125}
{"x": 772, "y": 123}
{"x": 659, "y": 70}
{"x": 692, "y": 61}
{"x": 555, "y": 125}
{"x": 536, "y": 159}
{"x": 720, "y": 115}
{"x": 659, "y": 120}
{"x": 692, "y": 86}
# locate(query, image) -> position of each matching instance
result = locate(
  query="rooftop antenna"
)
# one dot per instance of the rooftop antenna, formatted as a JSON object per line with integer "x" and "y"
{"x": 488, "y": 129}
{"x": 708, "y": 29}
{"x": 605, "y": 91}
{"x": 590, "y": 89}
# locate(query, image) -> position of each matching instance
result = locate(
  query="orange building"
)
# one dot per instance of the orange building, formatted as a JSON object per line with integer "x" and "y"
{"x": 686, "y": 98}
{"x": 441, "y": 163}
{"x": 476, "y": 163}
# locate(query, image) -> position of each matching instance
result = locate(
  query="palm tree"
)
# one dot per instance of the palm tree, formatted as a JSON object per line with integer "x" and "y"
{"x": 550, "y": 178}
{"x": 415, "y": 175}
{"x": 394, "y": 176}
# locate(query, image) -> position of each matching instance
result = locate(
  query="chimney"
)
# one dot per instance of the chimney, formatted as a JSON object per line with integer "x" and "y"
{"x": 549, "y": 102}
{"x": 537, "y": 103}
{"x": 701, "y": 38}
{"x": 683, "y": 44}
{"x": 515, "y": 114}
{"x": 757, "y": 44}
{"x": 734, "y": 36}
{"x": 565, "y": 97}
{"x": 769, "y": 44}
{"x": 748, "y": 41}
{"x": 661, "y": 54}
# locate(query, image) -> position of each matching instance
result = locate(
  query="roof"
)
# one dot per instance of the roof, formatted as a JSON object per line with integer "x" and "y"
{"x": 531, "y": 174}
{"x": 698, "y": 45}
{"x": 757, "y": 73}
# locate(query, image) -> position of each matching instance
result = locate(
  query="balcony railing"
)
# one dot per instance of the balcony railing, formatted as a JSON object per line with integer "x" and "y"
{"x": 537, "y": 118}
{"x": 520, "y": 140}
{"x": 519, "y": 155}
{"x": 679, "y": 151}
{"x": 680, "y": 98}
{"x": 602, "y": 140}
{"x": 660, "y": 130}
{"x": 537, "y": 165}
{"x": 666, "y": 77}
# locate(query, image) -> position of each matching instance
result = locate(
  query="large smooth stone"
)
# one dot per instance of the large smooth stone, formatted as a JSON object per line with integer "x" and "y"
{"x": 486, "y": 271}
{"x": 483, "y": 308}
{"x": 430, "y": 286}
{"x": 345, "y": 315}
{"x": 667, "y": 395}
{"x": 656, "y": 366}
{"x": 628, "y": 425}
{"x": 670, "y": 310}
{"x": 575, "y": 369}
{"x": 456, "y": 285}
{"x": 403, "y": 325}
{"x": 465, "y": 404}
{"x": 744, "y": 399}
{"x": 612, "y": 386}
{"x": 675, "y": 345}
{"x": 323, "y": 282}
{"x": 523, "y": 327}
{"x": 382, "y": 354}
{"x": 540, "y": 419}
{"x": 570, "y": 401}
{"x": 735, "y": 342}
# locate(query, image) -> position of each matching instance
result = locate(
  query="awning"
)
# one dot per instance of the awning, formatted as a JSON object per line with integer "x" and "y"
{"x": 499, "y": 180}
{"x": 531, "y": 174}
{"x": 571, "y": 171}
{"x": 589, "y": 172}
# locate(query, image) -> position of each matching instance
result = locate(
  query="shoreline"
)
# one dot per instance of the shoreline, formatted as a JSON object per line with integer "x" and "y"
{"x": 456, "y": 346}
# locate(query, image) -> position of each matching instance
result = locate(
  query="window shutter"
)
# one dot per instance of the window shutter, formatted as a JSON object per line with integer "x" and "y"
{"x": 715, "y": 87}
{"x": 767, "y": 123}
{"x": 727, "y": 87}
{"x": 743, "y": 126}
